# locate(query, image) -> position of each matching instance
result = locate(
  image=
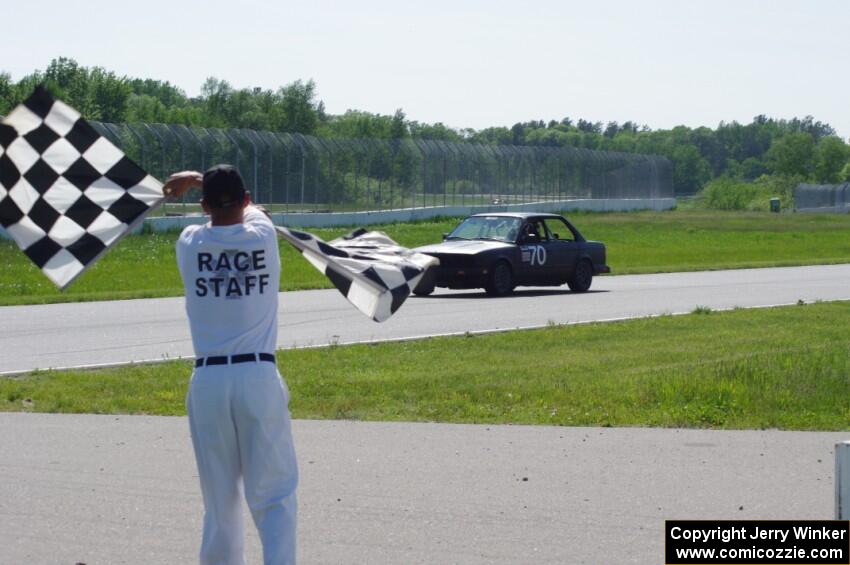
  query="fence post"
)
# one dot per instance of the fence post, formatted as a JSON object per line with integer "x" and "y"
{"x": 210, "y": 132}
{"x": 235, "y": 144}
{"x": 842, "y": 480}
{"x": 322, "y": 143}
{"x": 142, "y": 144}
{"x": 261, "y": 135}
{"x": 203, "y": 147}
{"x": 303, "y": 165}
{"x": 241, "y": 133}
{"x": 171, "y": 130}
{"x": 103, "y": 130}
{"x": 162, "y": 146}
{"x": 285, "y": 141}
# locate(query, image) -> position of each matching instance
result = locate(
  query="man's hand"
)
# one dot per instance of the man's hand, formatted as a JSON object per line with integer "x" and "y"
{"x": 179, "y": 184}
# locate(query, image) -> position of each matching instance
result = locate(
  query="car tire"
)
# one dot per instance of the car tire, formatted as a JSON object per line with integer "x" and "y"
{"x": 501, "y": 280}
{"x": 582, "y": 278}
{"x": 424, "y": 288}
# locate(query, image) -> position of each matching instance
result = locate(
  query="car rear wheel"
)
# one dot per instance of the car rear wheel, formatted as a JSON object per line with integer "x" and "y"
{"x": 501, "y": 280}
{"x": 582, "y": 278}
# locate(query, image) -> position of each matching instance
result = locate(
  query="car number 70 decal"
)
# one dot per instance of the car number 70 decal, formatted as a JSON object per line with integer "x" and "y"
{"x": 534, "y": 254}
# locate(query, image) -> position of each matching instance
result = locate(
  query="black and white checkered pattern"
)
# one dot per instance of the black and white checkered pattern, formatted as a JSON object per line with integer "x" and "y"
{"x": 66, "y": 193}
{"x": 371, "y": 270}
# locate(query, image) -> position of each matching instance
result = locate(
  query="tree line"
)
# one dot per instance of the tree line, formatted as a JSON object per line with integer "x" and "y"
{"x": 796, "y": 149}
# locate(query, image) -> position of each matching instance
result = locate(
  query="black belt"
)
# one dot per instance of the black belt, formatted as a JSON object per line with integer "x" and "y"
{"x": 233, "y": 359}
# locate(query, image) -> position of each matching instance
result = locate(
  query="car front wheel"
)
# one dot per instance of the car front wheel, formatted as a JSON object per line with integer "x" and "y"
{"x": 424, "y": 288}
{"x": 501, "y": 280}
{"x": 582, "y": 278}
{"x": 426, "y": 283}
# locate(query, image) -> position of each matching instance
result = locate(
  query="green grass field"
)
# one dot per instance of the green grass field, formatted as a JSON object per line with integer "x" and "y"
{"x": 785, "y": 368}
{"x": 639, "y": 242}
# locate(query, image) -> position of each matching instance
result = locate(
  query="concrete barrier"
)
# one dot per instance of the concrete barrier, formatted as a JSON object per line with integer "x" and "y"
{"x": 331, "y": 219}
{"x": 837, "y": 209}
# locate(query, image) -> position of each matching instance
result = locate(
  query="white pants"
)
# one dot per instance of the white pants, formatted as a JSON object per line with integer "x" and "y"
{"x": 240, "y": 425}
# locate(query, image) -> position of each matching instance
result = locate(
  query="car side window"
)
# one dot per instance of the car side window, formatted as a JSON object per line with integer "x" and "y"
{"x": 533, "y": 232}
{"x": 558, "y": 229}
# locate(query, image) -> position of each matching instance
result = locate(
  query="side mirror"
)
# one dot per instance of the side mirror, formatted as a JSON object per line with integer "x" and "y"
{"x": 445, "y": 236}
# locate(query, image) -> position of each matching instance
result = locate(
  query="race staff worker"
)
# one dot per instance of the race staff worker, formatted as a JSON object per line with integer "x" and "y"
{"x": 238, "y": 404}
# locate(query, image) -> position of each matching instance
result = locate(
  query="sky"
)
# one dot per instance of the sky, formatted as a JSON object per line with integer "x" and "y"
{"x": 471, "y": 63}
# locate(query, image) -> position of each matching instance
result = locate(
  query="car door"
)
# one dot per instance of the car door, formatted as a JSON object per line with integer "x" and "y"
{"x": 561, "y": 251}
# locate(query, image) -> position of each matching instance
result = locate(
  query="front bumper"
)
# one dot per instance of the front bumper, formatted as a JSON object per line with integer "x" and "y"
{"x": 455, "y": 277}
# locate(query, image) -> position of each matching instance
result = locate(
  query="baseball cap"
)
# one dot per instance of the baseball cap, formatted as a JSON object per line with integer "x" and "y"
{"x": 223, "y": 187}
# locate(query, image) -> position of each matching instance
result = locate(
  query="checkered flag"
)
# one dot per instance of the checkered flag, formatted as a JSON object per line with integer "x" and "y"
{"x": 371, "y": 270}
{"x": 66, "y": 193}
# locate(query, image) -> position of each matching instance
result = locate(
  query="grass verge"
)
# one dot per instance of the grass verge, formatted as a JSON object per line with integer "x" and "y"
{"x": 783, "y": 368}
{"x": 639, "y": 242}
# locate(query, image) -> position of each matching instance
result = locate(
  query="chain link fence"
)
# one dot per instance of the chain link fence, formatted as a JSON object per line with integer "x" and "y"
{"x": 300, "y": 173}
{"x": 822, "y": 197}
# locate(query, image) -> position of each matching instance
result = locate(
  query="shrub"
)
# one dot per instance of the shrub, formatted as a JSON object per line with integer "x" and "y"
{"x": 726, "y": 193}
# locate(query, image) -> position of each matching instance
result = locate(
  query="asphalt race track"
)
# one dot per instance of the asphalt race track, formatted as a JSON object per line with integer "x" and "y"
{"x": 94, "y": 333}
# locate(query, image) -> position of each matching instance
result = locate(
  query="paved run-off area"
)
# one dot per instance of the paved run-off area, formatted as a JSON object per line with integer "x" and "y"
{"x": 123, "y": 490}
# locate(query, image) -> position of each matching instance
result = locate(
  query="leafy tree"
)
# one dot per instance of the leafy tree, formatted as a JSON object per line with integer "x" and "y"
{"x": 494, "y": 135}
{"x": 547, "y": 137}
{"x": 398, "y": 127}
{"x": 356, "y": 124}
{"x": 611, "y": 129}
{"x": 753, "y": 168}
{"x": 623, "y": 142}
{"x": 433, "y": 131}
{"x": 518, "y": 134}
{"x": 710, "y": 148}
{"x": 690, "y": 169}
{"x": 792, "y": 154}
{"x": 98, "y": 94}
{"x": 589, "y": 127}
{"x": 215, "y": 94}
{"x": 321, "y": 114}
{"x": 6, "y": 93}
{"x": 146, "y": 108}
{"x": 629, "y": 127}
{"x": 831, "y": 155}
{"x": 299, "y": 107}
{"x": 808, "y": 125}
{"x": 168, "y": 94}
{"x": 109, "y": 95}
{"x": 67, "y": 80}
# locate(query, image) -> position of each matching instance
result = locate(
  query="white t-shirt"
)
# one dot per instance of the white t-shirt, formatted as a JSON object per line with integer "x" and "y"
{"x": 231, "y": 275}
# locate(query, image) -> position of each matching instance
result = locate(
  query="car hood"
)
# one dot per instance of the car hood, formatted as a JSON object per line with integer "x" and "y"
{"x": 463, "y": 247}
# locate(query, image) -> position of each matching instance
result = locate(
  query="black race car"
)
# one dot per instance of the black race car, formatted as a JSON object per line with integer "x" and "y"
{"x": 500, "y": 251}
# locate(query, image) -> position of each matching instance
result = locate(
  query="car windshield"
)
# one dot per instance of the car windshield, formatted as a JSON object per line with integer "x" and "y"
{"x": 499, "y": 228}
